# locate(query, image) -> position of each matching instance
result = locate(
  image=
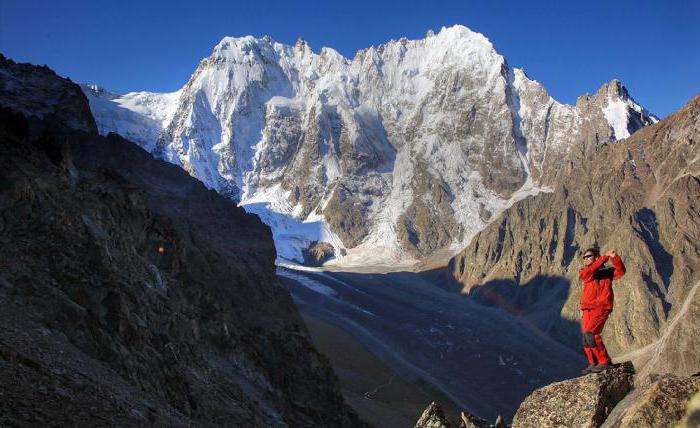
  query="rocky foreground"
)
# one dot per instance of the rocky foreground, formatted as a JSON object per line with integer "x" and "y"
{"x": 608, "y": 399}
{"x": 132, "y": 295}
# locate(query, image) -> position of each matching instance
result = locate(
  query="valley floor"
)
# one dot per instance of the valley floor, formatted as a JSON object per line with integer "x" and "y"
{"x": 430, "y": 338}
{"x": 377, "y": 393}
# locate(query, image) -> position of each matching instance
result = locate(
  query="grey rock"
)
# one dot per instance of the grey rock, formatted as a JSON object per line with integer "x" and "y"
{"x": 660, "y": 401}
{"x": 433, "y": 417}
{"x": 582, "y": 402}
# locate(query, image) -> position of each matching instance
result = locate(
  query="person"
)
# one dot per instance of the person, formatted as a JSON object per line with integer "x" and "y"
{"x": 597, "y": 303}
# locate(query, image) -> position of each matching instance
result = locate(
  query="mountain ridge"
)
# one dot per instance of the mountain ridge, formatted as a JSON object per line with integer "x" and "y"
{"x": 639, "y": 197}
{"x": 408, "y": 148}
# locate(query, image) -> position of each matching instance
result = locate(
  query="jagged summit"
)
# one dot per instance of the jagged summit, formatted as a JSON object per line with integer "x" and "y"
{"x": 457, "y": 38}
{"x": 622, "y": 112}
{"x": 409, "y": 147}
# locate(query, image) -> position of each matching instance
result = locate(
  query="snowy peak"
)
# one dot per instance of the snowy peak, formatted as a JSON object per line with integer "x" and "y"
{"x": 614, "y": 89}
{"x": 408, "y": 148}
{"x": 623, "y": 113}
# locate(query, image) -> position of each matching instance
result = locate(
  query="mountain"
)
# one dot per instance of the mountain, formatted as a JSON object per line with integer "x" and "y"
{"x": 131, "y": 294}
{"x": 404, "y": 151}
{"x": 640, "y": 197}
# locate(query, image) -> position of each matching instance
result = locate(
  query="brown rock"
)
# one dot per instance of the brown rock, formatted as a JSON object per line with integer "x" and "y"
{"x": 318, "y": 253}
{"x": 581, "y": 402}
{"x": 661, "y": 401}
{"x": 692, "y": 414}
{"x": 433, "y": 417}
{"x": 471, "y": 421}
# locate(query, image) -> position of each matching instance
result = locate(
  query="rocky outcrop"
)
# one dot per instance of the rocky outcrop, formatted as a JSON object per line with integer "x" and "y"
{"x": 131, "y": 294}
{"x": 39, "y": 94}
{"x": 608, "y": 399}
{"x": 582, "y": 402}
{"x": 660, "y": 401}
{"x": 318, "y": 253}
{"x": 433, "y": 417}
{"x": 692, "y": 414}
{"x": 638, "y": 196}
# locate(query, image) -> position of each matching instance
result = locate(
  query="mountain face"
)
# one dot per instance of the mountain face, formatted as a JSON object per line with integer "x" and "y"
{"x": 640, "y": 197}
{"x": 40, "y": 95}
{"x": 131, "y": 294}
{"x": 406, "y": 149}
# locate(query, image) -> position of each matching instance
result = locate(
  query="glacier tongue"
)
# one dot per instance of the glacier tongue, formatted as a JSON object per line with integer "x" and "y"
{"x": 408, "y": 148}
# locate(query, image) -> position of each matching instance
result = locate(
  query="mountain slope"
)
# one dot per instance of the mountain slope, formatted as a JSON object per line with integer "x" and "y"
{"x": 408, "y": 148}
{"x": 640, "y": 197}
{"x": 131, "y": 293}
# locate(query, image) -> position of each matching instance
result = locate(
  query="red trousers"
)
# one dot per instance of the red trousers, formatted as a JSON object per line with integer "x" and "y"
{"x": 592, "y": 323}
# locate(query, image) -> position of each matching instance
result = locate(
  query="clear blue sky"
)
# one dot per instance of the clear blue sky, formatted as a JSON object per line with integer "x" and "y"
{"x": 572, "y": 47}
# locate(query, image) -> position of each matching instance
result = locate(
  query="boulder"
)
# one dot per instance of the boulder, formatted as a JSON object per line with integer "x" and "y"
{"x": 318, "y": 253}
{"x": 660, "y": 401}
{"x": 585, "y": 401}
{"x": 471, "y": 421}
{"x": 692, "y": 414}
{"x": 433, "y": 417}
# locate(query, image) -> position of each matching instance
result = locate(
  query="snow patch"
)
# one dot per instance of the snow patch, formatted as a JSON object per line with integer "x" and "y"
{"x": 291, "y": 235}
{"x": 616, "y": 115}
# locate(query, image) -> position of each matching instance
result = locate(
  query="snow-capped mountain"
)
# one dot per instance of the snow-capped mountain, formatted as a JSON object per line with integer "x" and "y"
{"x": 407, "y": 148}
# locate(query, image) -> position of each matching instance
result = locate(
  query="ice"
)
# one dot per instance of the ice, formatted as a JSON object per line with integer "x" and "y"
{"x": 291, "y": 235}
{"x": 617, "y": 116}
{"x": 308, "y": 282}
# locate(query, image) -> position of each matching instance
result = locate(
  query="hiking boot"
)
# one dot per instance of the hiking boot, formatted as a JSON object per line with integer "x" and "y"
{"x": 588, "y": 369}
{"x": 601, "y": 368}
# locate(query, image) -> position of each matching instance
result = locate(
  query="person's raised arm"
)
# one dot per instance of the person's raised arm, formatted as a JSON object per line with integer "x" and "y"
{"x": 587, "y": 273}
{"x": 617, "y": 264}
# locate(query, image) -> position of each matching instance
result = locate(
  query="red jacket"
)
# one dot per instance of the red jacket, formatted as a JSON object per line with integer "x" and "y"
{"x": 597, "y": 283}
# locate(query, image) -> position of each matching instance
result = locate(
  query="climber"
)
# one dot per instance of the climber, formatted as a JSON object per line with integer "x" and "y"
{"x": 597, "y": 304}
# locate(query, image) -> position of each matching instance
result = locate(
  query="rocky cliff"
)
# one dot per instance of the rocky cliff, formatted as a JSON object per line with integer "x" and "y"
{"x": 130, "y": 293}
{"x": 614, "y": 398}
{"x": 408, "y": 148}
{"x": 640, "y": 196}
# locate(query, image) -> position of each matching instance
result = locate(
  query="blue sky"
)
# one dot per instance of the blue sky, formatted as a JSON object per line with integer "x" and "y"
{"x": 571, "y": 47}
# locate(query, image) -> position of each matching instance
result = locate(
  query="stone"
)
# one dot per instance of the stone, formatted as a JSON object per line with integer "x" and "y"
{"x": 660, "y": 401}
{"x": 585, "y": 401}
{"x": 433, "y": 417}
{"x": 470, "y": 421}
{"x": 692, "y": 414}
{"x": 318, "y": 253}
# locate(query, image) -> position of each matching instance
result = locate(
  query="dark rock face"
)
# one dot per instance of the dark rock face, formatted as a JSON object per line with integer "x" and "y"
{"x": 640, "y": 196}
{"x": 38, "y": 93}
{"x": 582, "y": 402}
{"x": 133, "y": 295}
{"x": 318, "y": 253}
